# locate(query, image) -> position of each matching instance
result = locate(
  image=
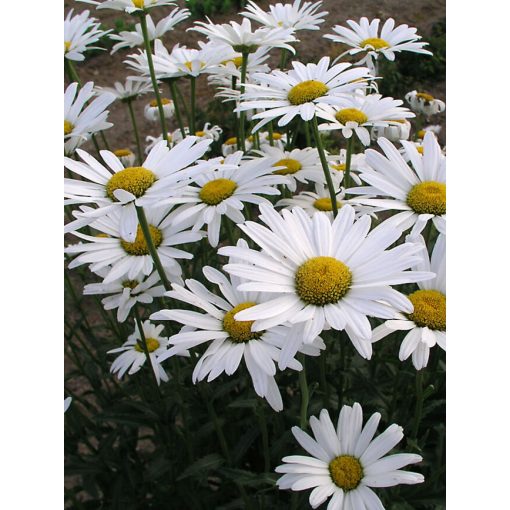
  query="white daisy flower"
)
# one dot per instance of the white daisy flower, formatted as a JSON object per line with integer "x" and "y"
{"x": 279, "y": 139}
{"x": 427, "y": 323}
{"x": 208, "y": 132}
{"x": 129, "y": 6}
{"x": 81, "y": 121}
{"x": 229, "y": 146}
{"x": 126, "y": 156}
{"x": 324, "y": 274}
{"x": 422, "y": 102}
{"x": 128, "y": 90}
{"x": 151, "y": 111}
{"x": 243, "y": 39}
{"x": 347, "y": 461}
{"x": 298, "y": 165}
{"x": 435, "y": 129}
{"x": 126, "y": 293}
{"x": 224, "y": 190}
{"x": 364, "y": 37}
{"x": 295, "y": 15}
{"x": 337, "y": 166}
{"x": 133, "y": 38}
{"x": 80, "y": 32}
{"x": 320, "y": 201}
{"x": 418, "y": 191}
{"x": 133, "y": 356}
{"x": 128, "y": 259}
{"x": 399, "y": 129}
{"x": 357, "y": 112}
{"x": 114, "y": 187}
{"x": 229, "y": 340}
{"x": 300, "y": 91}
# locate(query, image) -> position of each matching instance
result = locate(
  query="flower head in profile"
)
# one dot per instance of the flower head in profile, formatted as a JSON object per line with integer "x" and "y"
{"x": 426, "y": 325}
{"x": 80, "y": 32}
{"x": 425, "y": 103}
{"x": 151, "y": 110}
{"x": 127, "y": 91}
{"x": 345, "y": 461}
{"x": 300, "y": 91}
{"x": 133, "y": 357}
{"x": 81, "y": 120}
{"x": 417, "y": 188}
{"x": 295, "y": 15}
{"x": 323, "y": 274}
{"x": 129, "y": 6}
{"x": 365, "y": 38}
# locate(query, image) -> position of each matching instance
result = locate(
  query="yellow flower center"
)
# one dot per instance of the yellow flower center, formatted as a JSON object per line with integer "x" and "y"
{"x": 130, "y": 284}
{"x": 199, "y": 133}
{"x": 340, "y": 167}
{"x": 429, "y": 309}
{"x": 277, "y": 136}
{"x": 240, "y": 331}
{"x": 291, "y": 166}
{"x": 139, "y": 245}
{"x": 419, "y": 148}
{"x": 346, "y": 471}
{"x": 102, "y": 234}
{"x": 426, "y": 98}
{"x": 375, "y": 42}
{"x": 68, "y": 127}
{"x": 351, "y": 115}
{"x": 152, "y": 345}
{"x": 164, "y": 100}
{"x": 325, "y": 204}
{"x": 306, "y": 91}
{"x": 139, "y": 3}
{"x": 428, "y": 197}
{"x": 231, "y": 141}
{"x": 135, "y": 179}
{"x": 122, "y": 152}
{"x": 67, "y": 46}
{"x": 420, "y": 133}
{"x": 322, "y": 280}
{"x": 216, "y": 191}
{"x": 238, "y": 61}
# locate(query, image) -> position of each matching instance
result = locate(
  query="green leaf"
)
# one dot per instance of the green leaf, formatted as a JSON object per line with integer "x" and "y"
{"x": 207, "y": 463}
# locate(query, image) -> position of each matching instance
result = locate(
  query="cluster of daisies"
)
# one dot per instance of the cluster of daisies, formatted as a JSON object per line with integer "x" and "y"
{"x": 311, "y": 240}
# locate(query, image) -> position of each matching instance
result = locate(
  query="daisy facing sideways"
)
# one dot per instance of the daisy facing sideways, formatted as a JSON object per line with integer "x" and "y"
{"x": 230, "y": 341}
{"x": 345, "y": 462}
{"x": 125, "y": 259}
{"x": 114, "y": 187}
{"x": 133, "y": 356}
{"x": 300, "y": 91}
{"x": 418, "y": 189}
{"x": 129, "y": 6}
{"x": 355, "y": 113}
{"x": 422, "y": 102}
{"x": 223, "y": 191}
{"x": 323, "y": 274}
{"x": 426, "y": 325}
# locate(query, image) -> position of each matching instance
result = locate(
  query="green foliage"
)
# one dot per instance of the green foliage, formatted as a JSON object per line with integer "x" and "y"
{"x": 200, "y": 8}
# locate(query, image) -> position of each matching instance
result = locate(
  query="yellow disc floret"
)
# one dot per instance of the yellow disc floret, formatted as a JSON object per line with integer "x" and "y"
{"x": 322, "y": 280}
{"x": 277, "y": 136}
{"x": 238, "y": 61}
{"x": 135, "y": 179}
{"x": 130, "y": 284}
{"x": 122, "y": 152}
{"x": 67, "y": 46}
{"x": 164, "y": 101}
{"x": 325, "y": 204}
{"x": 428, "y": 197}
{"x": 139, "y": 3}
{"x": 306, "y": 91}
{"x": 419, "y": 148}
{"x": 231, "y": 141}
{"x": 423, "y": 96}
{"x": 68, "y": 127}
{"x": 420, "y": 133}
{"x": 199, "y": 133}
{"x": 152, "y": 345}
{"x": 240, "y": 331}
{"x": 340, "y": 167}
{"x": 216, "y": 191}
{"x": 139, "y": 245}
{"x": 291, "y": 166}
{"x": 346, "y": 471}
{"x": 346, "y": 115}
{"x": 429, "y": 309}
{"x": 375, "y": 42}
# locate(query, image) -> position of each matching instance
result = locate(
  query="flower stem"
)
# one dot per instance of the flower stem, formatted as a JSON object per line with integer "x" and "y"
{"x": 419, "y": 403}
{"x": 71, "y": 72}
{"x": 270, "y": 131}
{"x": 242, "y": 116}
{"x": 129, "y": 103}
{"x": 348, "y": 156}
{"x": 144, "y": 225}
{"x": 303, "y": 385}
{"x": 173, "y": 92}
{"x": 192, "y": 127}
{"x": 148, "y": 51}
{"x": 325, "y": 166}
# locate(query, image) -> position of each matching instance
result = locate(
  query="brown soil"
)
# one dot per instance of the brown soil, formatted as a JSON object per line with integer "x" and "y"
{"x": 105, "y": 69}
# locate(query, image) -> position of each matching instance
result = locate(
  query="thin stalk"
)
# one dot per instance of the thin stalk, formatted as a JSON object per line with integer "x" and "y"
{"x": 341, "y": 381}
{"x": 242, "y": 116}
{"x": 303, "y": 385}
{"x": 144, "y": 225}
{"x": 348, "y": 156}
{"x": 129, "y": 103}
{"x": 184, "y": 103}
{"x": 105, "y": 141}
{"x": 325, "y": 166}
{"x": 419, "y": 403}
{"x": 192, "y": 127}
{"x": 307, "y": 134}
{"x": 71, "y": 72}
{"x": 270, "y": 131}
{"x": 148, "y": 51}
{"x": 283, "y": 59}
{"x": 173, "y": 93}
